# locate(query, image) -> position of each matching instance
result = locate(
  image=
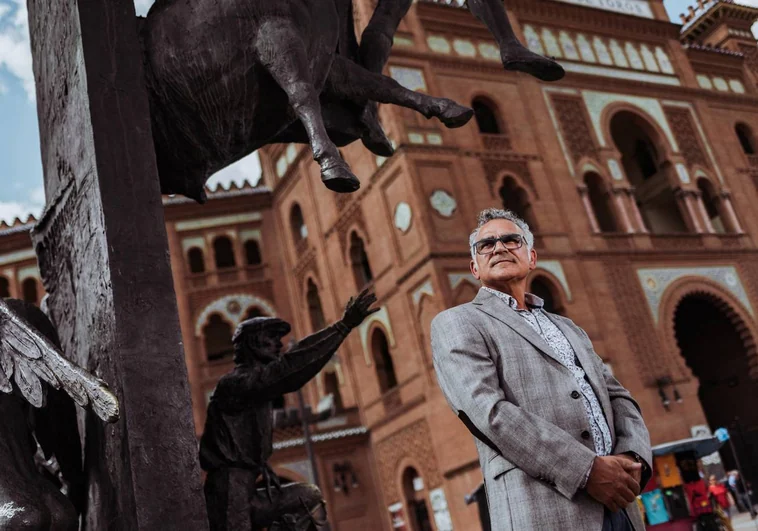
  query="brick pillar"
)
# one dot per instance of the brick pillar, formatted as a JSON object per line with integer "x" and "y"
{"x": 698, "y": 198}
{"x": 728, "y": 215}
{"x": 584, "y": 194}
{"x": 618, "y": 198}
{"x": 639, "y": 223}
{"x": 689, "y": 212}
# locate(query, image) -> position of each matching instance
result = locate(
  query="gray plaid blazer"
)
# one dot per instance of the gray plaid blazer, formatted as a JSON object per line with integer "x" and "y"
{"x": 512, "y": 392}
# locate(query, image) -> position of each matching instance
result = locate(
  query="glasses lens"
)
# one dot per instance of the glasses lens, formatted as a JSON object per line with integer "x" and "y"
{"x": 512, "y": 241}
{"x": 485, "y": 246}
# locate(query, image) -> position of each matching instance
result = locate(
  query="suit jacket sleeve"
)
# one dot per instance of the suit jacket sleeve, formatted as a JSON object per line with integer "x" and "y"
{"x": 631, "y": 433}
{"x": 469, "y": 380}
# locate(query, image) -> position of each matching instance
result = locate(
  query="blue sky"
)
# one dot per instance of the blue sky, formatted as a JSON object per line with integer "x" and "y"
{"x": 21, "y": 190}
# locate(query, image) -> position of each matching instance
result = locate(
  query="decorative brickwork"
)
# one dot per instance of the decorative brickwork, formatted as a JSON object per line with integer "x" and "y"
{"x": 688, "y": 139}
{"x": 639, "y": 327}
{"x": 413, "y": 442}
{"x": 306, "y": 264}
{"x": 575, "y": 129}
{"x": 351, "y": 217}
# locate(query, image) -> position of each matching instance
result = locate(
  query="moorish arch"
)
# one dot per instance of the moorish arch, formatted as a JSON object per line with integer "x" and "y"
{"x": 713, "y": 337}
{"x": 646, "y": 159}
{"x": 517, "y": 197}
{"x": 546, "y": 286}
{"x": 234, "y": 308}
{"x": 464, "y": 288}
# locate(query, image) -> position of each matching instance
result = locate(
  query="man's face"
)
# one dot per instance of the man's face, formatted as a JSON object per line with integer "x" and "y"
{"x": 503, "y": 265}
{"x": 267, "y": 347}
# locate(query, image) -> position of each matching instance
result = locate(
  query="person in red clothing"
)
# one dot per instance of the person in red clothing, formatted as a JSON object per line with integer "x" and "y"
{"x": 719, "y": 493}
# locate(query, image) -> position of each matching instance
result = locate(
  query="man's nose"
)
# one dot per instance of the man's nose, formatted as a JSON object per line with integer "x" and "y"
{"x": 502, "y": 246}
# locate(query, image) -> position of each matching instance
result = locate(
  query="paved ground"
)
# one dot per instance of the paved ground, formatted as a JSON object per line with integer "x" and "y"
{"x": 743, "y": 522}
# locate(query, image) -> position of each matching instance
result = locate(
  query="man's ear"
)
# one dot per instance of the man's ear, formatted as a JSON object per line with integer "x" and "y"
{"x": 474, "y": 269}
{"x": 532, "y": 260}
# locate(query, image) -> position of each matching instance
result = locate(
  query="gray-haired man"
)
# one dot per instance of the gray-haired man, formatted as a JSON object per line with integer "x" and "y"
{"x": 562, "y": 444}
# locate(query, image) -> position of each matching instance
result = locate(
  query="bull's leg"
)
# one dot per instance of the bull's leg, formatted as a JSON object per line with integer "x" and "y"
{"x": 513, "y": 54}
{"x": 376, "y": 41}
{"x": 351, "y": 81}
{"x": 282, "y": 53}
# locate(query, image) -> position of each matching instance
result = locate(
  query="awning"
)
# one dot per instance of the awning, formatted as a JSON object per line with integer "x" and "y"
{"x": 702, "y": 446}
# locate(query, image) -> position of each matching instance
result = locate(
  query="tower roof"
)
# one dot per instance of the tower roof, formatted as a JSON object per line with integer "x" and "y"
{"x": 706, "y": 14}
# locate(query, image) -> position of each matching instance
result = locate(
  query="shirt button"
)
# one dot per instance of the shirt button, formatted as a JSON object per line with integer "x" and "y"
{"x": 575, "y": 394}
{"x": 585, "y": 434}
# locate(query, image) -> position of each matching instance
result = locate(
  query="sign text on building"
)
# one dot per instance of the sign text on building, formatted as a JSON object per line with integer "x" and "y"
{"x": 638, "y": 8}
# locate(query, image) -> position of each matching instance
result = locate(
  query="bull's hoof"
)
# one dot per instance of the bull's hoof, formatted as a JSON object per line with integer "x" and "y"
{"x": 340, "y": 179}
{"x": 453, "y": 115}
{"x": 520, "y": 59}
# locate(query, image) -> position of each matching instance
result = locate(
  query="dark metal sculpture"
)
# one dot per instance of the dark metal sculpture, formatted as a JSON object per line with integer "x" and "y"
{"x": 238, "y": 438}
{"x": 33, "y": 372}
{"x": 225, "y": 79}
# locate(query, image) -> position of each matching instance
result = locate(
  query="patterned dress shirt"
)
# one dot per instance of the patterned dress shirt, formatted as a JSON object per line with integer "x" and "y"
{"x": 535, "y": 316}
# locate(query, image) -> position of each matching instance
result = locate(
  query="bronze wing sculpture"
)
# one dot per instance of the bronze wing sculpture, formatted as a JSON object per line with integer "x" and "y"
{"x": 28, "y": 358}
{"x": 42, "y": 480}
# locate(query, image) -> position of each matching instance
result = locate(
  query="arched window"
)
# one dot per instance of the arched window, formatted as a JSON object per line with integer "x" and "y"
{"x": 359, "y": 261}
{"x": 544, "y": 289}
{"x": 297, "y": 224}
{"x": 218, "y": 338}
{"x": 745, "y": 136}
{"x": 315, "y": 310}
{"x": 29, "y": 290}
{"x": 415, "y": 498}
{"x": 332, "y": 387}
{"x": 516, "y": 199}
{"x": 385, "y": 368}
{"x": 708, "y": 196}
{"x": 253, "y": 253}
{"x": 645, "y": 157}
{"x": 224, "y": 253}
{"x": 600, "y": 199}
{"x": 196, "y": 260}
{"x": 486, "y": 117}
{"x": 5, "y": 288}
{"x": 641, "y": 150}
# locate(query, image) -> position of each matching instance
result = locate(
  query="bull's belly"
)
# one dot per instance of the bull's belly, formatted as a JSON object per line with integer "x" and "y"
{"x": 191, "y": 55}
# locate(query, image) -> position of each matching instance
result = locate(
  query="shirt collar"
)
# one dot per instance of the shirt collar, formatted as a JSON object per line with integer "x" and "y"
{"x": 532, "y": 301}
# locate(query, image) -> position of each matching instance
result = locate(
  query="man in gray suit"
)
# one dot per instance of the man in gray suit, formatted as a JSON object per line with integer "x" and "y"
{"x": 561, "y": 443}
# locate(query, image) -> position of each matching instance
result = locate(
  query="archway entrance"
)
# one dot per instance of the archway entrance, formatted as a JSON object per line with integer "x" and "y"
{"x": 715, "y": 344}
{"x": 414, "y": 492}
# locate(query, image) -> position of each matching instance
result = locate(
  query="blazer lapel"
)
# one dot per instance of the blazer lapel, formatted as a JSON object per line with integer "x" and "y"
{"x": 585, "y": 357}
{"x": 498, "y": 309}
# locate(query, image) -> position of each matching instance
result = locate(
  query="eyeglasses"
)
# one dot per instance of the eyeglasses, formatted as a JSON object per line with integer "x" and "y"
{"x": 487, "y": 246}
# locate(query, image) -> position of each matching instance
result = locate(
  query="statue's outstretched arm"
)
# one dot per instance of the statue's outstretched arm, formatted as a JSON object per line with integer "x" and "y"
{"x": 298, "y": 366}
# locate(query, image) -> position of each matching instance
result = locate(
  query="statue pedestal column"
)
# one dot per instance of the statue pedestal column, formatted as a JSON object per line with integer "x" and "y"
{"x": 103, "y": 254}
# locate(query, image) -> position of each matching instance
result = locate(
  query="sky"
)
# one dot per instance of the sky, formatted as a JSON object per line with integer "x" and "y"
{"x": 21, "y": 191}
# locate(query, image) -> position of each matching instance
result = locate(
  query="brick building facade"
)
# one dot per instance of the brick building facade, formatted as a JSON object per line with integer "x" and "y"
{"x": 637, "y": 172}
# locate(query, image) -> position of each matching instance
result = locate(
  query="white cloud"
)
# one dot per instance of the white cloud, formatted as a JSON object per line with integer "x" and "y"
{"x": 9, "y": 210}
{"x": 15, "y": 47}
{"x": 15, "y": 50}
{"x": 245, "y": 169}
